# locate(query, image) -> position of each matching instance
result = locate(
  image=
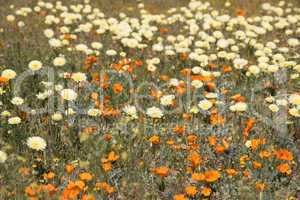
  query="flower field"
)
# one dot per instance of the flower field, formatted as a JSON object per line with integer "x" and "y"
{"x": 149, "y": 100}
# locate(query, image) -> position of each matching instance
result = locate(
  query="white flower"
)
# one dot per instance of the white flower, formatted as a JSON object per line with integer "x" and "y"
{"x": 151, "y": 68}
{"x": 3, "y": 157}
{"x": 10, "y": 18}
{"x": 174, "y": 82}
{"x": 70, "y": 111}
{"x": 49, "y": 33}
{"x": 167, "y": 100}
{"x": 53, "y": 42}
{"x": 5, "y": 113}
{"x": 35, "y": 65}
{"x": 94, "y": 112}
{"x": 97, "y": 45}
{"x": 293, "y": 42}
{"x": 197, "y": 83}
{"x": 36, "y": 143}
{"x": 239, "y": 107}
{"x": 194, "y": 110}
{"x": 281, "y": 102}
{"x": 274, "y": 108}
{"x": 78, "y": 77}
{"x": 248, "y": 143}
{"x": 81, "y": 47}
{"x": 273, "y": 68}
{"x": 253, "y": 69}
{"x": 269, "y": 99}
{"x": 14, "y": 120}
{"x": 294, "y": 112}
{"x": 205, "y": 104}
{"x": 59, "y": 61}
{"x": 68, "y": 94}
{"x": 17, "y": 101}
{"x": 57, "y": 116}
{"x": 154, "y": 112}
{"x": 223, "y": 43}
{"x": 239, "y": 63}
{"x": 131, "y": 111}
{"x": 9, "y": 74}
{"x": 111, "y": 52}
{"x": 294, "y": 99}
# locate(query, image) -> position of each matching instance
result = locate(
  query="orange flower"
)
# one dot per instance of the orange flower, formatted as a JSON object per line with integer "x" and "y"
{"x": 260, "y": 186}
{"x": 161, "y": 171}
{"x": 117, "y": 88}
{"x": 179, "y": 129}
{"x": 85, "y": 176}
{"x": 30, "y": 191}
{"x": 226, "y": 69}
{"x": 49, "y": 175}
{"x": 255, "y": 143}
{"x": 51, "y": 189}
{"x": 198, "y": 177}
{"x": 195, "y": 159}
{"x": 243, "y": 160}
{"x": 219, "y": 149}
{"x": 231, "y": 172}
{"x": 256, "y": 165}
{"x": 154, "y": 139}
{"x": 88, "y": 197}
{"x": 212, "y": 140}
{"x": 247, "y": 173}
{"x": 3, "y": 80}
{"x": 107, "y": 166}
{"x": 191, "y": 190}
{"x": 107, "y": 137}
{"x": 104, "y": 186}
{"x": 24, "y": 171}
{"x": 238, "y": 98}
{"x": 264, "y": 154}
{"x": 284, "y": 168}
{"x": 212, "y": 175}
{"x": 112, "y": 156}
{"x": 206, "y": 191}
{"x": 180, "y": 197}
{"x": 69, "y": 168}
{"x": 240, "y": 12}
{"x": 73, "y": 190}
{"x": 249, "y": 126}
{"x": 216, "y": 119}
{"x": 284, "y": 154}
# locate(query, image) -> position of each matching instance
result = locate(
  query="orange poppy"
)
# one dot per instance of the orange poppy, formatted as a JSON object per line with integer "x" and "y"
{"x": 154, "y": 139}
{"x": 198, "y": 177}
{"x": 284, "y": 168}
{"x": 104, "y": 186}
{"x": 284, "y": 154}
{"x": 3, "y": 80}
{"x": 260, "y": 186}
{"x": 195, "y": 159}
{"x": 256, "y": 165}
{"x": 161, "y": 171}
{"x": 191, "y": 190}
{"x": 85, "y": 176}
{"x": 179, "y": 197}
{"x": 212, "y": 175}
{"x": 206, "y": 191}
{"x": 231, "y": 172}
{"x": 107, "y": 167}
{"x": 69, "y": 168}
{"x": 117, "y": 88}
{"x": 112, "y": 156}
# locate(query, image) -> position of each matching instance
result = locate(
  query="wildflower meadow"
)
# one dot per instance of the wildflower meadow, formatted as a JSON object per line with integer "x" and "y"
{"x": 149, "y": 100}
